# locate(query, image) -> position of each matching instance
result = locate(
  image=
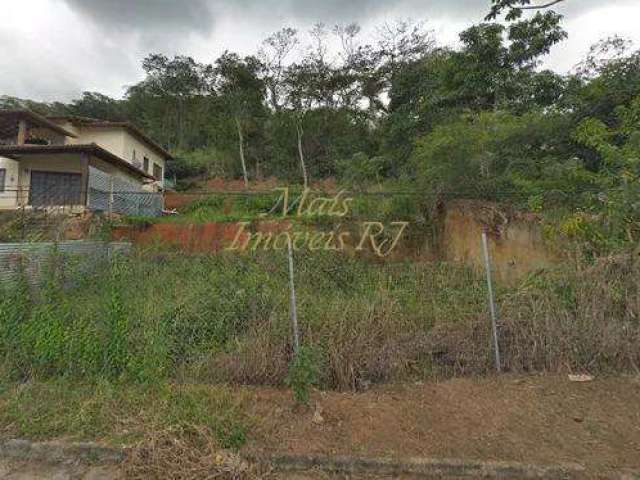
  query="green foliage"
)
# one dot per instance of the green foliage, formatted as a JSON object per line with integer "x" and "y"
{"x": 15, "y": 310}
{"x": 91, "y": 411}
{"x": 97, "y": 105}
{"x": 611, "y": 219}
{"x": 202, "y": 162}
{"x": 491, "y": 154}
{"x": 330, "y": 135}
{"x": 303, "y": 374}
{"x": 116, "y": 351}
{"x": 44, "y": 335}
{"x": 514, "y": 8}
{"x": 228, "y": 208}
{"x": 361, "y": 170}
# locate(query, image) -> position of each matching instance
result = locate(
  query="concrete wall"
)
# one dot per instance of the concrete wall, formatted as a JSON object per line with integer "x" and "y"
{"x": 8, "y": 198}
{"x": 142, "y": 150}
{"x": 120, "y": 142}
{"x": 69, "y": 127}
{"x": 113, "y": 170}
{"x": 111, "y": 139}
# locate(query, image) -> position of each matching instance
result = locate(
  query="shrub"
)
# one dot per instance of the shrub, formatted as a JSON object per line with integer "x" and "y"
{"x": 360, "y": 169}
{"x": 303, "y": 374}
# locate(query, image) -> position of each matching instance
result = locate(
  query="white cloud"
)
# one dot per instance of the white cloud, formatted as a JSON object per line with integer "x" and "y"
{"x": 55, "y": 55}
{"x": 587, "y": 29}
{"x": 55, "y": 49}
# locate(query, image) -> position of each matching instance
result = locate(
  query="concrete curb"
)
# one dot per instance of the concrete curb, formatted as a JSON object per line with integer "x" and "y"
{"x": 94, "y": 454}
{"x": 427, "y": 467}
{"x": 60, "y": 452}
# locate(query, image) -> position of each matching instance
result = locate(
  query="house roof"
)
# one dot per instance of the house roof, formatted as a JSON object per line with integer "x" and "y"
{"x": 15, "y": 151}
{"x": 87, "y": 122}
{"x": 35, "y": 119}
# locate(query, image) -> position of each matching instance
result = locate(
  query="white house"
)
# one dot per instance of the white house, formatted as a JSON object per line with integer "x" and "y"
{"x": 57, "y": 161}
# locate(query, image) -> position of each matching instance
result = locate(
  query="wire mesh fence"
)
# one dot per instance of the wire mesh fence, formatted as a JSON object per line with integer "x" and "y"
{"x": 51, "y": 195}
{"x": 159, "y": 311}
{"x": 31, "y": 261}
{"x": 65, "y": 216}
{"x": 112, "y": 194}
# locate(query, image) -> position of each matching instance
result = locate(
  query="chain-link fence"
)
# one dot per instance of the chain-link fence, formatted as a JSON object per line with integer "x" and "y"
{"x": 62, "y": 193}
{"x": 112, "y": 194}
{"x": 32, "y": 261}
{"x": 227, "y": 315}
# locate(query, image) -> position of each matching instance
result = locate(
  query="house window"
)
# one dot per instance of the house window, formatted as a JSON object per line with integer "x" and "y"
{"x": 157, "y": 171}
{"x": 146, "y": 164}
{"x": 3, "y": 176}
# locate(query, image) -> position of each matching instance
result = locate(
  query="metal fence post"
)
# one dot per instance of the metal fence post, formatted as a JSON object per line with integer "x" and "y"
{"x": 492, "y": 303}
{"x": 110, "y": 199}
{"x": 292, "y": 300}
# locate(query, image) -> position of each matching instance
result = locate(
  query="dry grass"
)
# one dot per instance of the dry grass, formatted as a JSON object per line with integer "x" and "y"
{"x": 586, "y": 320}
{"x": 556, "y": 321}
{"x": 186, "y": 454}
{"x": 261, "y": 357}
{"x": 365, "y": 341}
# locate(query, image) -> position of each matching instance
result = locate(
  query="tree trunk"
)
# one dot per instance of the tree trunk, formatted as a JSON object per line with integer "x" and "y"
{"x": 274, "y": 98}
{"x": 301, "y": 154}
{"x": 241, "y": 148}
{"x": 181, "y": 122}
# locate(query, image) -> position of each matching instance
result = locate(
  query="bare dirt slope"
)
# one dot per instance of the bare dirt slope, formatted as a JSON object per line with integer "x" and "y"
{"x": 524, "y": 419}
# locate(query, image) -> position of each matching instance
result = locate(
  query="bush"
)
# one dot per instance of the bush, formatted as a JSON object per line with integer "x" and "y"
{"x": 303, "y": 374}
{"x": 493, "y": 155}
{"x": 225, "y": 318}
{"x": 209, "y": 163}
{"x": 360, "y": 170}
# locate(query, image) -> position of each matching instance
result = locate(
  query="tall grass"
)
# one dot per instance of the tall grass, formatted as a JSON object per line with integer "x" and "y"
{"x": 156, "y": 315}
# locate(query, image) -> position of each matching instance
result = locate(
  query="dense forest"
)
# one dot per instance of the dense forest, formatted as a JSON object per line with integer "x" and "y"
{"x": 481, "y": 121}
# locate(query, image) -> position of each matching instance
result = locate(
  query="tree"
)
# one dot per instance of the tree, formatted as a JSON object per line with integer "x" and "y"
{"x": 614, "y": 83}
{"x": 418, "y": 100}
{"x": 301, "y": 94}
{"x": 97, "y": 105}
{"x": 487, "y": 73}
{"x": 515, "y": 8}
{"x": 601, "y": 54}
{"x": 490, "y": 154}
{"x": 241, "y": 92}
{"x": 273, "y": 54}
{"x": 360, "y": 76}
{"x": 616, "y": 220}
{"x": 399, "y": 43}
{"x": 168, "y": 102}
{"x": 43, "y": 108}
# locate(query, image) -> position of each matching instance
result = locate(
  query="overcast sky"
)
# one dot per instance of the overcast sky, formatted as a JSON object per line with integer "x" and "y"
{"x": 55, "y": 49}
